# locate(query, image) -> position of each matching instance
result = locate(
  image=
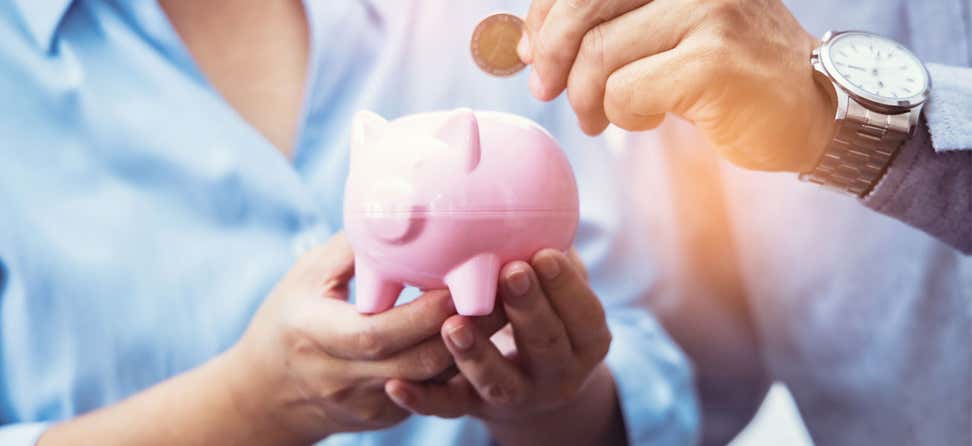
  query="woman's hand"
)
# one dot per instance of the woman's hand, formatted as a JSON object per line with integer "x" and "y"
{"x": 308, "y": 366}
{"x": 550, "y": 372}
{"x": 311, "y": 365}
{"x": 738, "y": 69}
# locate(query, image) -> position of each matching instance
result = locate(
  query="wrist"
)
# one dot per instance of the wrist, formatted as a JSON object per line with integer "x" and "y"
{"x": 249, "y": 399}
{"x": 203, "y": 406}
{"x": 823, "y": 125}
{"x": 593, "y": 417}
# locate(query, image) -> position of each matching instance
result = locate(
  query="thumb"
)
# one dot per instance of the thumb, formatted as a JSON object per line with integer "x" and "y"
{"x": 328, "y": 267}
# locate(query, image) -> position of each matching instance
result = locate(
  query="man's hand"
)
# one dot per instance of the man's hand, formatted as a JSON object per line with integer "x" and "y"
{"x": 738, "y": 69}
{"x": 550, "y": 366}
{"x": 310, "y": 365}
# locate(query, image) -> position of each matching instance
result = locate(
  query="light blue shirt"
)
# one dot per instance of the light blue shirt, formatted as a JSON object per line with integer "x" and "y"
{"x": 142, "y": 220}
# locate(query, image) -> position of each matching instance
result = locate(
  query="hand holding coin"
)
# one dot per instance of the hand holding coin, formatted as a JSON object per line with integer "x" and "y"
{"x": 737, "y": 69}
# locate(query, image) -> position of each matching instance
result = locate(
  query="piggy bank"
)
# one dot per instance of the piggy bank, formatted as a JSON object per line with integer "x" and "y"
{"x": 444, "y": 199}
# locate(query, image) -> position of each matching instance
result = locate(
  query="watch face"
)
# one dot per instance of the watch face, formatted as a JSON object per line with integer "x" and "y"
{"x": 877, "y": 69}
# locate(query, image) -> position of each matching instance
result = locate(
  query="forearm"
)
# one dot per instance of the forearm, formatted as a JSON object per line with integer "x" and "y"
{"x": 593, "y": 418}
{"x": 198, "y": 407}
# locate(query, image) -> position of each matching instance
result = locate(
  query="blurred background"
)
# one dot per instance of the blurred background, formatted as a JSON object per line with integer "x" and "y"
{"x": 703, "y": 298}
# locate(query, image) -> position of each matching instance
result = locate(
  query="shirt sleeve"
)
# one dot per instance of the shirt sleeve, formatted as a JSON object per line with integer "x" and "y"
{"x": 654, "y": 382}
{"x": 21, "y": 434}
{"x": 929, "y": 184}
{"x": 12, "y": 433}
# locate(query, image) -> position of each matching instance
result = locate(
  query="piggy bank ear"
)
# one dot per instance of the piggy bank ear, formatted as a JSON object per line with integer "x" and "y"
{"x": 461, "y": 132}
{"x": 365, "y": 127}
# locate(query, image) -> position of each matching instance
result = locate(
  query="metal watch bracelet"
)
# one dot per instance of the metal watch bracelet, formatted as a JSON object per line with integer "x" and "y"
{"x": 861, "y": 150}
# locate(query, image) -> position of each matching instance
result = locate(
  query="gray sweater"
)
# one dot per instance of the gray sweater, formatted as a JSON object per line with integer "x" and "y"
{"x": 929, "y": 184}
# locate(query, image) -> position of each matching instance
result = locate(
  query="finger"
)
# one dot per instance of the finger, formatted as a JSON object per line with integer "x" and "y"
{"x": 375, "y": 411}
{"x": 370, "y": 337}
{"x": 491, "y": 323}
{"x": 578, "y": 262}
{"x": 574, "y": 301}
{"x": 559, "y": 38}
{"x": 424, "y": 361}
{"x": 541, "y": 338}
{"x": 653, "y": 28}
{"x": 638, "y": 95}
{"x": 452, "y": 399}
{"x": 496, "y": 380}
{"x": 534, "y": 19}
{"x": 443, "y": 376}
{"x": 429, "y": 359}
{"x": 488, "y": 325}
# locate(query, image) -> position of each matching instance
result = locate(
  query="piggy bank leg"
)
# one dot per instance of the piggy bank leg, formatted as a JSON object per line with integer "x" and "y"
{"x": 374, "y": 294}
{"x": 473, "y": 285}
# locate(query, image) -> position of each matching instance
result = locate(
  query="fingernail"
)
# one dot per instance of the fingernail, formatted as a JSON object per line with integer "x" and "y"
{"x": 523, "y": 48}
{"x": 536, "y": 85}
{"x": 518, "y": 282}
{"x": 548, "y": 267}
{"x": 401, "y": 396}
{"x": 460, "y": 337}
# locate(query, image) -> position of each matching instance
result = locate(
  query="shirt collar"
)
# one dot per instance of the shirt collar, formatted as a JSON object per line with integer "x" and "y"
{"x": 42, "y": 18}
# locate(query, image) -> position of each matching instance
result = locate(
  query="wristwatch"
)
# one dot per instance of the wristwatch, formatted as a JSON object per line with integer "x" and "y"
{"x": 880, "y": 88}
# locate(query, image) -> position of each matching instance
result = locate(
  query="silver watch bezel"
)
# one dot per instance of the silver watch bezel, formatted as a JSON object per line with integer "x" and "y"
{"x": 895, "y": 105}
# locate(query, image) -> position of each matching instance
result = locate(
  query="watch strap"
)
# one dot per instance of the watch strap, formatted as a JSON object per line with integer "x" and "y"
{"x": 861, "y": 150}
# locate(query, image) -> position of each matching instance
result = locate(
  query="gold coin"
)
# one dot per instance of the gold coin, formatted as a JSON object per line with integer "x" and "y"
{"x": 494, "y": 43}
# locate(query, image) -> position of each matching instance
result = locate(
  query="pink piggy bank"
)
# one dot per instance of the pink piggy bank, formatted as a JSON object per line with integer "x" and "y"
{"x": 444, "y": 199}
